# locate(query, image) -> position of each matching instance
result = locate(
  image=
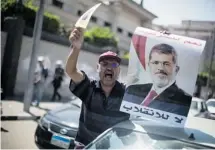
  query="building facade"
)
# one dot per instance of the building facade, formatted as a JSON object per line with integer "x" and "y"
{"x": 121, "y": 16}
{"x": 200, "y": 30}
{"x": 196, "y": 29}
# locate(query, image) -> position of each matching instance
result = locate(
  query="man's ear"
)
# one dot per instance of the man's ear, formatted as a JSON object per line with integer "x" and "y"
{"x": 98, "y": 68}
{"x": 177, "y": 69}
{"x": 119, "y": 69}
{"x": 118, "y": 72}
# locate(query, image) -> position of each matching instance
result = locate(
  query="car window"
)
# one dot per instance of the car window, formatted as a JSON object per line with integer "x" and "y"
{"x": 119, "y": 138}
{"x": 211, "y": 103}
{"x": 204, "y": 107}
{"x": 200, "y": 107}
{"x": 194, "y": 105}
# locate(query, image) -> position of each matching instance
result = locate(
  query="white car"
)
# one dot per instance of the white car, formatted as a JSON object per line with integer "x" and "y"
{"x": 198, "y": 108}
{"x": 198, "y": 133}
{"x": 211, "y": 107}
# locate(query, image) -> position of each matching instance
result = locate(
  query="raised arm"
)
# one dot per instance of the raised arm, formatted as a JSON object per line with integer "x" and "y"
{"x": 76, "y": 37}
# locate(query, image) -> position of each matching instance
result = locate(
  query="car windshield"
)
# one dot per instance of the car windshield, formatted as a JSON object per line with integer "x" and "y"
{"x": 119, "y": 138}
{"x": 211, "y": 103}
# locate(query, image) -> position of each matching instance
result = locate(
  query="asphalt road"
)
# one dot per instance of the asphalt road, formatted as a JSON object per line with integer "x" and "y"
{"x": 18, "y": 135}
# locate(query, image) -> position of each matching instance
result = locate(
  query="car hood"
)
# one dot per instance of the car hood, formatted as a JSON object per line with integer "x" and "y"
{"x": 67, "y": 114}
{"x": 211, "y": 109}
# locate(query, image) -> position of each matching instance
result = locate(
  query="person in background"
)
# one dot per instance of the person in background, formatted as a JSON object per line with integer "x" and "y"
{"x": 58, "y": 78}
{"x": 40, "y": 76}
{"x": 209, "y": 94}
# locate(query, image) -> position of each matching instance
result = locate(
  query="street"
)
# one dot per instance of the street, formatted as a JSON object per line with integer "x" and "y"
{"x": 18, "y": 134}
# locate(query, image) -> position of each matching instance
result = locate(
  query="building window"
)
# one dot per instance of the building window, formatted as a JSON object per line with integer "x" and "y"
{"x": 93, "y": 19}
{"x": 119, "y": 30}
{"x": 107, "y": 24}
{"x": 57, "y": 3}
{"x": 129, "y": 34}
{"x": 79, "y": 12}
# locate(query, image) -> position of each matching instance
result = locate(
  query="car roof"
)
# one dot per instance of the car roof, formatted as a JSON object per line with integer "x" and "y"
{"x": 198, "y": 99}
{"x": 204, "y": 134}
{"x": 211, "y": 100}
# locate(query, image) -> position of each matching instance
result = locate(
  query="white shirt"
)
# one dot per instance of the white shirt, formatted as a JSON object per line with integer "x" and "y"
{"x": 38, "y": 74}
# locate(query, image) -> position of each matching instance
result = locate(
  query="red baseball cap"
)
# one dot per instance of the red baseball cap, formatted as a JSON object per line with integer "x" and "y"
{"x": 109, "y": 55}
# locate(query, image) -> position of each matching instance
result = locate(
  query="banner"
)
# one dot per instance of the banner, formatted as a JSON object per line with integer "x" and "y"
{"x": 161, "y": 75}
{"x": 85, "y": 18}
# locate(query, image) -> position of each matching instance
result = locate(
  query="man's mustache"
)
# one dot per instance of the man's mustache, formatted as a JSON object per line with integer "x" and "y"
{"x": 161, "y": 72}
{"x": 108, "y": 71}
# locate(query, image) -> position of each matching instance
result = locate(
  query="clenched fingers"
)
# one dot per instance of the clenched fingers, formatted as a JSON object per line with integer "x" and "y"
{"x": 79, "y": 31}
{"x": 76, "y": 34}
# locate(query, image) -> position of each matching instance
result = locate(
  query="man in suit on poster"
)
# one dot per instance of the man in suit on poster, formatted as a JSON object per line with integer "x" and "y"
{"x": 163, "y": 94}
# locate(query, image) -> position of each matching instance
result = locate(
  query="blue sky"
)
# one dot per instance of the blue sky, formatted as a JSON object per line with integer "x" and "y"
{"x": 173, "y": 11}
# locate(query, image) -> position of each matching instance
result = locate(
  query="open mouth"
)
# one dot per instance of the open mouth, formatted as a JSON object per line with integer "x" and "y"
{"x": 108, "y": 76}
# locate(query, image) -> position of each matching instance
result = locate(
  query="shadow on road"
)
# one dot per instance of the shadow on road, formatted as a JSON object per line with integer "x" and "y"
{"x": 4, "y": 130}
{"x": 46, "y": 109}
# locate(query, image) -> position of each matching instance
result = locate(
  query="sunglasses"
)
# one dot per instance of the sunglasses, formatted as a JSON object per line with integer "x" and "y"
{"x": 109, "y": 65}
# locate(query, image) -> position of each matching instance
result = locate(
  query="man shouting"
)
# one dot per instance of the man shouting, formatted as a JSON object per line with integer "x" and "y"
{"x": 101, "y": 99}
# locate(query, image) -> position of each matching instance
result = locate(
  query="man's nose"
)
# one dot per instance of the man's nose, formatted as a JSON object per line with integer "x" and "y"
{"x": 109, "y": 68}
{"x": 161, "y": 66}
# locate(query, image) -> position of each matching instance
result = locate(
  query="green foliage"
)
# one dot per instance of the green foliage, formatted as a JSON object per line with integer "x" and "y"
{"x": 207, "y": 68}
{"x": 126, "y": 55}
{"x": 203, "y": 76}
{"x": 206, "y": 75}
{"x": 5, "y": 4}
{"x": 100, "y": 36}
{"x": 51, "y": 23}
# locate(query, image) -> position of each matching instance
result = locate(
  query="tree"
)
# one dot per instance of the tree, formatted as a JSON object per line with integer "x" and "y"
{"x": 51, "y": 23}
{"x": 100, "y": 36}
{"x": 206, "y": 72}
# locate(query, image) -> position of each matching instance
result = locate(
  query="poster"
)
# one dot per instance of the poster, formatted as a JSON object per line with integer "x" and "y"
{"x": 85, "y": 18}
{"x": 161, "y": 75}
